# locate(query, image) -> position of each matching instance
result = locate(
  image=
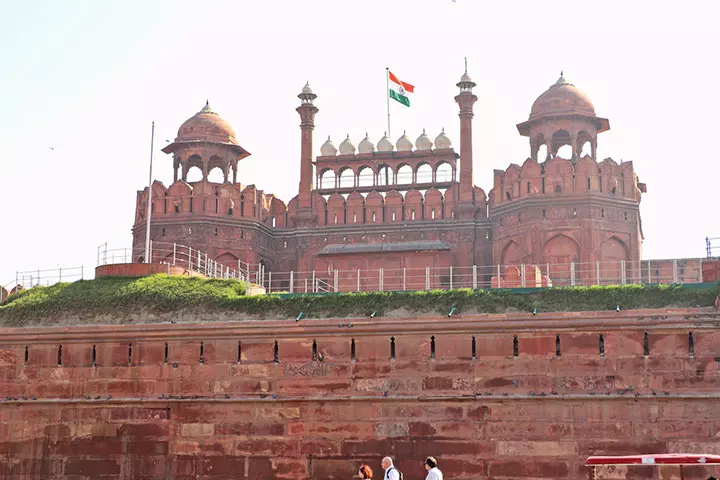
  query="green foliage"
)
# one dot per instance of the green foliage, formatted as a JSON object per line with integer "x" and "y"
{"x": 90, "y": 300}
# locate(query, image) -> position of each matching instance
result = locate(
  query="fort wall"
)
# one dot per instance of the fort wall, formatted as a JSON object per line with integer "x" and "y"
{"x": 491, "y": 396}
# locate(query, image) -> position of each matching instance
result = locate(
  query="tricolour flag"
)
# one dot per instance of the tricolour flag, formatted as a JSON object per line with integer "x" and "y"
{"x": 399, "y": 90}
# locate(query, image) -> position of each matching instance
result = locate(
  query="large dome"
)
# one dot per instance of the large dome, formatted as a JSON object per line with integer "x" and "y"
{"x": 562, "y": 98}
{"x": 206, "y": 125}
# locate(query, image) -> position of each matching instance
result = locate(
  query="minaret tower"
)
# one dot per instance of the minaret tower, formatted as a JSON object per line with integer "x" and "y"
{"x": 465, "y": 99}
{"x": 307, "y": 111}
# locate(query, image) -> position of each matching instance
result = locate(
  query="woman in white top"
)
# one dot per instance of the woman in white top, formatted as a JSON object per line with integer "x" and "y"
{"x": 434, "y": 473}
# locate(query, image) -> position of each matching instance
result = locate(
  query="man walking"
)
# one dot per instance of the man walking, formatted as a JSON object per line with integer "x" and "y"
{"x": 434, "y": 473}
{"x": 391, "y": 473}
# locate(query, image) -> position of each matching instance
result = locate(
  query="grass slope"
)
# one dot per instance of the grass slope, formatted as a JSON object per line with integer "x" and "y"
{"x": 87, "y": 301}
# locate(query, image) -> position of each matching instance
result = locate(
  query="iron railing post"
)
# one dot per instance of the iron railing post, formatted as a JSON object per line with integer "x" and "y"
{"x": 572, "y": 274}
{"x": 292, "y": 281}
{"x": 474, "y": 275}
{"x": 404, "y": 278}
{"x": 451, "y": 275}
{"x": 269, "y": 282}
{"x": 381, "y": 280}
{"x": 358, "y": 279}
{"x": 427, "y": 278}
{"x": 174, "y": 253}
{"x": 314, "y": 284}
{"x": 623, "y": 273}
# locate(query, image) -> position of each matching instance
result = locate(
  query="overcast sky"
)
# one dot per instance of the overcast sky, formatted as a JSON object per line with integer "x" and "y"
{"x": 82, "y": 81}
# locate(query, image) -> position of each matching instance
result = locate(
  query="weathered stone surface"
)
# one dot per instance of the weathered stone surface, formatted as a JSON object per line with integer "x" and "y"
{"x": 498, "y": 417}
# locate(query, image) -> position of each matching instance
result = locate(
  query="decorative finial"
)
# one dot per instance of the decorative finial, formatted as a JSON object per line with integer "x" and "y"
{"x": 328, "y": 138}
{"x": 443, "y": 130}
{"x": 561, "y": 73}
{"x": 465, "y": 64}
{"x": 423, "y": 131}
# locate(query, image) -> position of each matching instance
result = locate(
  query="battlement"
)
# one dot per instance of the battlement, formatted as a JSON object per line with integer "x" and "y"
{"x": 558, "y": 177}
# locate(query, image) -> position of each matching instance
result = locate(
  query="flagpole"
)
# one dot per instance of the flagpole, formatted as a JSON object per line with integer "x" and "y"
{"x": 149, "y": 205}
{"x": 387, "y": 96}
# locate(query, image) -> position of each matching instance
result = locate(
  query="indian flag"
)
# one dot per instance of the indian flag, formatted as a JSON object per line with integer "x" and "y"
{"x": 399, "y": 90}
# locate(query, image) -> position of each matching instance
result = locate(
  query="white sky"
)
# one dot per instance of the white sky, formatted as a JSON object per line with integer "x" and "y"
{"x": 87, "y": 78}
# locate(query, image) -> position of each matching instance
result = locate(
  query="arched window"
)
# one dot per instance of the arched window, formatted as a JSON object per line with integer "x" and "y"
{"x": 194, "y": 174}
{"x": 405, "y": 175}
{"x": 327, "y": 179}
{"x": 365, "y": 177}
{"x": 424, "y": 174}
{"x": 347, "y": 178}
{"x": 444, "y": 173}
{"x": 385, "y": 176}
{"x": 216, "y": 175}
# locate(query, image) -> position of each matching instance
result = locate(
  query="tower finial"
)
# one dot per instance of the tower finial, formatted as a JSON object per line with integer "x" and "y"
{"x": 561, "y": 73}
{"x": 465, "y": 64}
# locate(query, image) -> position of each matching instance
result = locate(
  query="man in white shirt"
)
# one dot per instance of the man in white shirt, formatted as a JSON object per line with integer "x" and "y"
{"x": 391, "y": 473}
{"x": 434, "y": 473}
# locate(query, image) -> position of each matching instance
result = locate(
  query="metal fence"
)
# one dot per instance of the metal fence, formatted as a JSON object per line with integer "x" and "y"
{"x": 177, "y": 255}
{"x": 330, "y": 280}
{"x": 33, "y": 278}
{"x": 619, "y": 272}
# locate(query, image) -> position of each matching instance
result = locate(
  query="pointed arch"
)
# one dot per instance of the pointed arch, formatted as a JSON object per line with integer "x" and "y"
{"x": 511, "y": 254}
{"x": 558, "y": 252}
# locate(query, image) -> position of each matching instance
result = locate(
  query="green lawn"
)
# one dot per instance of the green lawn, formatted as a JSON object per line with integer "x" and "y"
{"x": 89, "y": 300}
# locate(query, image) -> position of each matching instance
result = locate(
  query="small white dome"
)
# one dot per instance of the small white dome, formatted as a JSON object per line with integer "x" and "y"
{"x": 442, "y": 141}
{"x": 465, "y": 78}
{"x": 385, "y": 145}
{"x": 404, "y": 144}
{"x": 306, "y": 88}
{"x": 347, "y": 147}
{"x": 328, "y": 149}
{"x": 365, "y": 145}
{"x": 423, "y": 142}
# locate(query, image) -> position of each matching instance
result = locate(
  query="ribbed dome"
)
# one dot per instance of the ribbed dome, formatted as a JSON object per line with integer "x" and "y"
{"x": 206, "y": 125}
{"x": 423, "y": 142}
{"x": 562, "y": 98}
{"x": 442, "y": 141}
{"x": 385, "y": 145}
{"x": 347, "y": 147}
{"x": 404, "y": 144}
{"x": 328, "y": 149}
{"x": 365, "y": 145}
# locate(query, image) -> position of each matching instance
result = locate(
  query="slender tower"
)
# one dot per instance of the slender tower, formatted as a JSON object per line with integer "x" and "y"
{"x": 465, "y": 99}
{"x": 307, "y": 113}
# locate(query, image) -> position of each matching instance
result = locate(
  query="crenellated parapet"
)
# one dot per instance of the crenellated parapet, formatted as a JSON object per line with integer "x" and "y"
{"x": 559, "y": 176}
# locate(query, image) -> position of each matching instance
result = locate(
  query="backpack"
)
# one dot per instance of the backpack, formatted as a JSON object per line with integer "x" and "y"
{"x": 400, "y": 474}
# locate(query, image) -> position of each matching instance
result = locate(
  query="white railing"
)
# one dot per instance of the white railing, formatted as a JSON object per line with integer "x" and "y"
{"x": 182, "y": 256}
{"x": 41, "y": 277}
{"x": 618, "y": 272}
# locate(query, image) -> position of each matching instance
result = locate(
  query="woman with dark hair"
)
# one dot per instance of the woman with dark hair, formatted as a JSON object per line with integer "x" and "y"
{"x": 434, "y": 472}
{"x": 365, "y": 472}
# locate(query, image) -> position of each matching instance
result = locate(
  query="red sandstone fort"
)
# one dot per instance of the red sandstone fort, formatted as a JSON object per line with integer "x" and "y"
{"x": 414, "y": 206}
{"x": 493, "y": 396}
